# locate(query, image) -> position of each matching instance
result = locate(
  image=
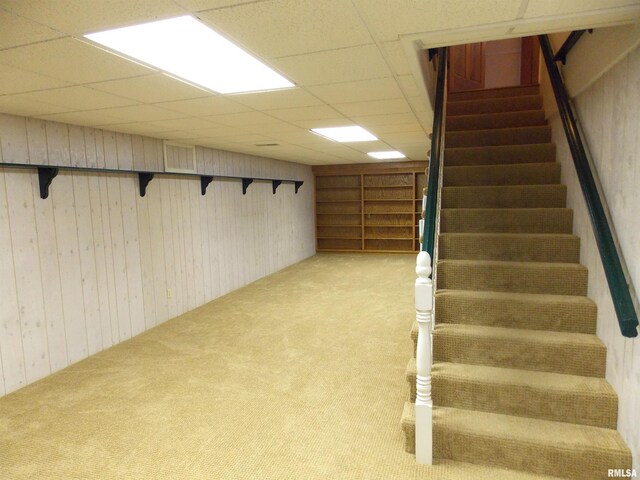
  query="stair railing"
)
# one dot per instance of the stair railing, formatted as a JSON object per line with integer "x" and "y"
{"x": 424, "y": 292}
{"x": 609, "y": 252}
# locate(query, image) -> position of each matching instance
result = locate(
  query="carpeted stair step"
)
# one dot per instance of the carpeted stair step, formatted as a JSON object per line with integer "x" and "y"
{"x": 519, "y": 277}
{"x": 560, "y": 313}
{"x": 500, "y": 154}
{"x": 521, "y": 247}
{"x": 506, "y": 220}
{"x": 539, "y": 350}
{"x": 500, "y": 92}
{"x": 517, "y": 174}
{"x": 505, "y": 196}
{"x": 494, "y": 105}
{"x": 499, "y": 136}
{"x": 541, "y": 447}
{"x": 543, "y": 395}
{"x": 495, "y": 120}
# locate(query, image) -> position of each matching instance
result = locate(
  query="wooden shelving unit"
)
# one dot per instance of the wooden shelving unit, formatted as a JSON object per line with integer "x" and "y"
{"x": 369, "y": 207}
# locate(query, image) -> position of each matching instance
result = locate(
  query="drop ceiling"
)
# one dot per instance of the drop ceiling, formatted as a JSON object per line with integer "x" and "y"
{"x": 353, "y": 62}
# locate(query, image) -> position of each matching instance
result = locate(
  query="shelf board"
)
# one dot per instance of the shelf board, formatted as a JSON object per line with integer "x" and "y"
{"x": 388, "y": 186}
{"x": 334, "y": 225}
{"x": 404, "y": 239}
{"x": 338, "y": 201}
{"x": 388, "y": 200}
{"x": 339, "y": 214}
{"x": 388, "y": 213}
{"x": 337, "y": 188}
{"x": 340, "y": 238}
{"x": 387, "y": 226}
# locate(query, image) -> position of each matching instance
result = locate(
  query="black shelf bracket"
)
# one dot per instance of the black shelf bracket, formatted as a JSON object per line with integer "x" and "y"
{"x": 205, "y": 180}
{"x": 245, "y": 184}
{"x": 298, "y": 184}
{"x": 45, "y": 177}
{"x": 144, "y": 178}
{"x": 275, "y": 184}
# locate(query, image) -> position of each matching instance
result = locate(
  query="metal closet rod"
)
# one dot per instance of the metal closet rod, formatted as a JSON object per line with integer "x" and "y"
{"x": 46, "y": 174}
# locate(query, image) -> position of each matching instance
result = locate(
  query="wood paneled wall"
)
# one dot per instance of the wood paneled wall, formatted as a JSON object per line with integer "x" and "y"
{"x": 96, "y": 264}
{"x": 609, "y": 119}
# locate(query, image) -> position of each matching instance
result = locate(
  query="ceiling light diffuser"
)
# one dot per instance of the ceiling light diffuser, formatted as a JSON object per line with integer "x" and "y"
{"x": 387, "y": 155}
{"x": 186, "y": 48}
{"x": 345, "y": 134}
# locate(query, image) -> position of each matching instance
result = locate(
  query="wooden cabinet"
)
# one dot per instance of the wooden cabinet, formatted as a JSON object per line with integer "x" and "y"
{"x": 369, "y": 207}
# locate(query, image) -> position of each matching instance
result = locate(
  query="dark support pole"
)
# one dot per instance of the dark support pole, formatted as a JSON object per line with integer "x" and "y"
{"x": 45, "y": 177}
{"x": 144, "y": 178}
{"x": 297, "y": 185}
{"x": 428, "y": 235}
{"x": 205, "y": 180}
{"x": 275, "y": 184}
{"x": 622, "y": 302}
{"x": 245, "y": 184}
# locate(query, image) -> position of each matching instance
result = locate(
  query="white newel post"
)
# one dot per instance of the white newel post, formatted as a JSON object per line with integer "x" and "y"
{"x": 424, "y": 403}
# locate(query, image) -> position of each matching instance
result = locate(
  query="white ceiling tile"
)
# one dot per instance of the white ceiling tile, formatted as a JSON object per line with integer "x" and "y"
{"x": 217, "y": 131}
{"x": 392, "y": 119}
{"x": 23, "y": 105}
{"x": 201, "y": 107}
{"x": 396, "y": 128}
{"x": 289, "y": 98}
{"x": 337, "y": 121}
{"x": 377, "y": 107}
{"x": 79, "y": 98}
{"x": 366, "y": 147}
{"x": 151, "y": 88}
{"x": 361, "y": 91}
{"x": 396, "y": 56}
{"x": 601, "y": 18}
{"x": 71, "y": 60}
{"x": 20, "y": 31}
{"x": 88, "y": 118}
{"x": 389, "y": 20}
{"x": 276, "y": 127}
{"x": 250, "y": 139}
{"x": 198, "y": 5}
{"x": 138, "y": 128}
{"x": 141, "y": 113}
{"x": 292, "y": 27}
{"x": 303, "y": 113}
{"x": 413, "y": 151}
{"x": 83, "y": 16}
{"x": 409, "y": 86}
{"x": 419, "y": 104}
{"x": 544, "y": 8}
{"x": 176, "y": 135}
{"x": 405, "y": 137}
{"x": 241, "y": 119}
{"x": 334, "y": 66}
{"x": 185, "y": 124}
{"x": 14, "y": 80}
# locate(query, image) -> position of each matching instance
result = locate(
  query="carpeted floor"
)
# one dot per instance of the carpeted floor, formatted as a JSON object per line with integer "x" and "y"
{"x": 299, "y": 375}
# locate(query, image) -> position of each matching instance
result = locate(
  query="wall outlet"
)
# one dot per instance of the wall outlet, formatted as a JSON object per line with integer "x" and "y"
{"x": 169, "y": 293}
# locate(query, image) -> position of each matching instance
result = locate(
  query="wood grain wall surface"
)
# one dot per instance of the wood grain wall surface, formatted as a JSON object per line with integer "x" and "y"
{"x": 95, "y": 264}
{"x": 609, "y": 115}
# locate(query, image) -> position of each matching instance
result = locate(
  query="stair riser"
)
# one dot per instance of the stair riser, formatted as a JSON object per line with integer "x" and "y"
{"x": 494, "y": 93}
{"x": 537, "y": 249}
{"x": 495, "y": 120}
{"x": 555, "y": 279}
{"x": 540, "y": 459}
{"x": 525, "y": 174}
{"x": 594, "y": 410}
{"x": 524, "y": 196}
{"x": 506, "y": 221}
{"x": 494, "y": 105}
{"x": 574, "y": 359}
{"x": 500, "y": 155}
{"x": 528, "y": 315}
{"x": 509, "y": 136}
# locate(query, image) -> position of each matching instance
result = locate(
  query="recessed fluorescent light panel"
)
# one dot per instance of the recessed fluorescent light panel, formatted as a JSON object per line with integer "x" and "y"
{"x": 186, "y": 48}
{"x": 386, "y": 155}
{"x": 345, "y": 134}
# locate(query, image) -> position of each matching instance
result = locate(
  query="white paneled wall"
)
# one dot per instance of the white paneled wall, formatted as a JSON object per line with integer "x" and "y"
{"x": 95, "y": 263}
{"x": 610, "y": 120}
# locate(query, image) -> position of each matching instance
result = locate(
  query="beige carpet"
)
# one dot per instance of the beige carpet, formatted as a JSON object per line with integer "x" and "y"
{"x": 296, "y": 376}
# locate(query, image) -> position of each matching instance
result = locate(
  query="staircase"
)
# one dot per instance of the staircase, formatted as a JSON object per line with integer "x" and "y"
{"x": 518, "y": 373}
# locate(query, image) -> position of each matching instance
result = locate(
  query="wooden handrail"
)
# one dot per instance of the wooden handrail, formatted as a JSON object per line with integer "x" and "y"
{"x": 609, "y": 253}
